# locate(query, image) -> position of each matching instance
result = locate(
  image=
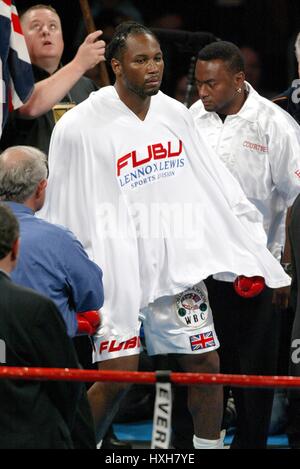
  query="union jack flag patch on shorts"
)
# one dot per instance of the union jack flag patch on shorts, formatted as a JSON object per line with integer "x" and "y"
{"x": 201, "y": 341}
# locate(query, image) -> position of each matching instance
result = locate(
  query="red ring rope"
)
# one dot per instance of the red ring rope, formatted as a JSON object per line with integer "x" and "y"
{"x": 66, "y": 374}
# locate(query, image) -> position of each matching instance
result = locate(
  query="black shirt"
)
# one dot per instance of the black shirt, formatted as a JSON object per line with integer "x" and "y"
{"x": 37, "y": 132}
{"x": 288, "y": 102}
{"x": 222, "y": 117}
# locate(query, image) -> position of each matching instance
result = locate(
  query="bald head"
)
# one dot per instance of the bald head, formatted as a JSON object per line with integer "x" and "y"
{"x": 22, "y": 169}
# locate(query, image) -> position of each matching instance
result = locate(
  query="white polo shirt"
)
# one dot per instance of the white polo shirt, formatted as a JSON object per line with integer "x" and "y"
{"x": 260, "y": 145}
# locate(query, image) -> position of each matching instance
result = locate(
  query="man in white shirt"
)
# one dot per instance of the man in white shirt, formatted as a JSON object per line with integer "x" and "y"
{"x": 259, "y": 143}
{"x": 124, "y": 174}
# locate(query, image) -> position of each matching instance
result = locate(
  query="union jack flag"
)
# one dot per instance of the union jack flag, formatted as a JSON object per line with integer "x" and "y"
{"x": 16, "y": 78}
{"x": 201, "y": 341}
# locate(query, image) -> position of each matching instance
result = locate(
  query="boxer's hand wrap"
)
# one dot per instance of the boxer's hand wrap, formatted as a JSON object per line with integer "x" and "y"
{"x": 248, "y": 287}
{"x": 88, "y": 322}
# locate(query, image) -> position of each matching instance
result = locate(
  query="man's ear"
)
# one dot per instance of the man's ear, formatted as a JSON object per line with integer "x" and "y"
{"x": 15, "y": 250}
{"x": 239, "y": 79}
{"x": 116, "y": 66}
{"x": 40, "y": 188}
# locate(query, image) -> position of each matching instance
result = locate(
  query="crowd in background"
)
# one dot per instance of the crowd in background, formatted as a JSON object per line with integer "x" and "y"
{"x": 268, "y": 27}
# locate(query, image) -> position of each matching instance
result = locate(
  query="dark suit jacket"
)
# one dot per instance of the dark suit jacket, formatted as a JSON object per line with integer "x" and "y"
{"x": 286, "y": 102}
{"x": 35, "y": 414}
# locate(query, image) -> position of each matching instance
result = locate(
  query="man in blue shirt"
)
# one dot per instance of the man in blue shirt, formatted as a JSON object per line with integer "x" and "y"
{"x": 52, "y": 261}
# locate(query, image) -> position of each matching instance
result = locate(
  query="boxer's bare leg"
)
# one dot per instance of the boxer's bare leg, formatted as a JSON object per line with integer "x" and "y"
{"x": 104, "y": 398}
{"x": 205, "y": 403}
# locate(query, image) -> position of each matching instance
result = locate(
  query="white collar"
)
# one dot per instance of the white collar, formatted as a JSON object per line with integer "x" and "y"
{"x": 248, "y": 111}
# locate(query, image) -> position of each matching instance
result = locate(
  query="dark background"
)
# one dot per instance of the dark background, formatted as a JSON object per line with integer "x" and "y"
{"x": 268, "y": 26}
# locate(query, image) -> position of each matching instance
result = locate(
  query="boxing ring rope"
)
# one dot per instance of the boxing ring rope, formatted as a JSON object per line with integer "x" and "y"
{"x": 147, "y": 377}
{"x": 163, "y": 380}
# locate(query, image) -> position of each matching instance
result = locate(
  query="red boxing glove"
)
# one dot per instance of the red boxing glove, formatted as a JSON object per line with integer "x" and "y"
{"x": 88, "y": 322}
{"x": 248, "y": 287}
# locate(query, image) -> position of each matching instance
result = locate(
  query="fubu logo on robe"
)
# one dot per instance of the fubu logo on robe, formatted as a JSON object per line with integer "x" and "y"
{"x": 156, "y": 151}
{"x": 150, "y": 165}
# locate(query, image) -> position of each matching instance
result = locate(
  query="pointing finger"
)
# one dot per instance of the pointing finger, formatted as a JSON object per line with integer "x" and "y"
{"x": 93, "y": 36}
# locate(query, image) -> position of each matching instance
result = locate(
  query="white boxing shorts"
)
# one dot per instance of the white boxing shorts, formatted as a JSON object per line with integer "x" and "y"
{"x": 107, "y": 347}
{"x": 181, "y": 323}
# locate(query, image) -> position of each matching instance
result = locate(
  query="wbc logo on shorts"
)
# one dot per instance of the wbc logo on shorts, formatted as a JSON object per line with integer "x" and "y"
{"x": 192, "y": 307}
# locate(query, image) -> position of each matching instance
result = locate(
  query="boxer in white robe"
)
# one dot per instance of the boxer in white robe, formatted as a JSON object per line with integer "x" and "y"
{"x": 130, "y": 176}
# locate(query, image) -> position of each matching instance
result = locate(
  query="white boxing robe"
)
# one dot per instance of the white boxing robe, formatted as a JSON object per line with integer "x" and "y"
{"x": 153, "y": 210}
